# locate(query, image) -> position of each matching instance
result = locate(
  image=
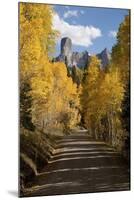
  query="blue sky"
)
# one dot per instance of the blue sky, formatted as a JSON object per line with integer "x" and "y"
{"x": 90, "y": 29}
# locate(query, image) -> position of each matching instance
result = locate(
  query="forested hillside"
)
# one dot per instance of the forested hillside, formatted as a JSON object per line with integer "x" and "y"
{"x": 52, "y": 104}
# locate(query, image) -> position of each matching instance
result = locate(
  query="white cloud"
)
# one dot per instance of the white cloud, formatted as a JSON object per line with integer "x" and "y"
{"x": 70, "y": 13}
{"x": 112, "y": 34}
{"x": 80, "y": 35}
{"x": 73, "y": 13}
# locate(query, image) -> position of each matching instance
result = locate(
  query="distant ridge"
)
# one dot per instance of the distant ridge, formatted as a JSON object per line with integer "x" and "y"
{"x": 79, "y": 59}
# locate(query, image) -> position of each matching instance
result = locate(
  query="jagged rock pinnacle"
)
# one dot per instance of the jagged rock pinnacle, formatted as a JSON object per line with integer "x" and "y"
{"x": 79, "y": 59}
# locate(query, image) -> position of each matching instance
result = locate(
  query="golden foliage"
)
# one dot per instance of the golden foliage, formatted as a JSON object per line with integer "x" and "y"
{"x": 53, "y": 94}
{"x": 121, "y": 51}
{"x": 101, "y": 98}
{"x": 37, "y": 37}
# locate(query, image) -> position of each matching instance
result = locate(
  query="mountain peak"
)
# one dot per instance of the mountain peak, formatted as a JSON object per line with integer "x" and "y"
{"x": 80, "y": 59}
{"x": 104, "y": 56}
{"x": 105, "y": 51}
{"x": 66, "y": 46}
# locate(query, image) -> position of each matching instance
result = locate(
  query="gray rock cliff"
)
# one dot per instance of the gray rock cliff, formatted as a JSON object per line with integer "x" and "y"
{"x": 79, "y": 59}
{"x": 105, "y": 57}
